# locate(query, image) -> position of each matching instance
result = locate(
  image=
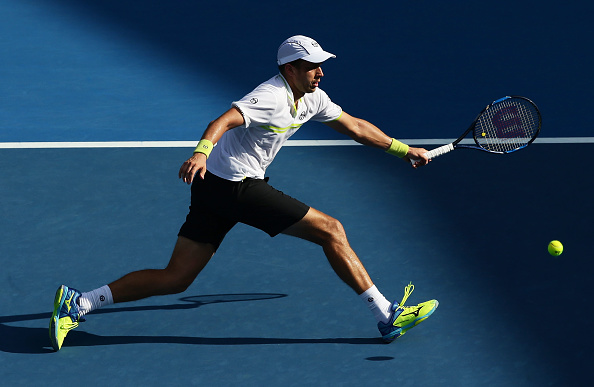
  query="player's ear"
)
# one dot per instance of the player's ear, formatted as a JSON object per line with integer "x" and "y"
{"x": 289, "y": 69}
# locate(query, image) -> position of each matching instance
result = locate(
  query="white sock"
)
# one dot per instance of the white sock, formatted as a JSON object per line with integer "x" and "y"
{"x": 377, "y": 303}
{"x": 94, "y": 299}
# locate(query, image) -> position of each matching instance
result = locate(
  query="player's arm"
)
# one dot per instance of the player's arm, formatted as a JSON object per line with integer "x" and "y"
{"x": 366, "y": 133}
{"x": 232, "y": 118}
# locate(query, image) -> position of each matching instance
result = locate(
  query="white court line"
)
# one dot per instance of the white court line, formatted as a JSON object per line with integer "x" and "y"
{"x": 192, "y": 144}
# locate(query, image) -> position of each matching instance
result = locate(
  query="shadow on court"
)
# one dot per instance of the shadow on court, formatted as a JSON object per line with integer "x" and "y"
{"x": 35, "y": 340}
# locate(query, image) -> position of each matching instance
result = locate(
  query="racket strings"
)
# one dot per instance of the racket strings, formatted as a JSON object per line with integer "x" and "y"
{"x": 507, "y": 126}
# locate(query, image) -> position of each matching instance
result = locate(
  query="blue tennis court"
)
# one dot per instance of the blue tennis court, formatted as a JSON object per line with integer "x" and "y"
{"x": 470, "y": 230}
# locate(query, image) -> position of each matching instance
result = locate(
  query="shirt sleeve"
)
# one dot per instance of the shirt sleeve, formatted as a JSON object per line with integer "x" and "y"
{"x": 326, "y": 109}
{"x": 257, "y": 107}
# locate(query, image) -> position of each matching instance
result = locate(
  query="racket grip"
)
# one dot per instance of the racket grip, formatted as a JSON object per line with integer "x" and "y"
{"x": 442, "y": 150}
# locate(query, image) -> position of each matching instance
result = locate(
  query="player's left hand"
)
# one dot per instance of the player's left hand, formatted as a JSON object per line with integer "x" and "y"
{"x": 192, "y": 166}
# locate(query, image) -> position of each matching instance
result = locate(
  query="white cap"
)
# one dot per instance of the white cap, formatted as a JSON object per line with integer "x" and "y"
{"x": 301, "y": 47}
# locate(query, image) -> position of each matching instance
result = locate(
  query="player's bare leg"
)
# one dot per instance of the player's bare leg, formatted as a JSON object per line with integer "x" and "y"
{"x": 70, "y": 305}
{"x": 329, "y": 233}
{"x": 187, "y": 261}
{"x": 394, "y": 319}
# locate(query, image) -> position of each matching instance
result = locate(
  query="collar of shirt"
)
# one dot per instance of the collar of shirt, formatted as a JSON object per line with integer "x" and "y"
{"x": 290, "y": 99}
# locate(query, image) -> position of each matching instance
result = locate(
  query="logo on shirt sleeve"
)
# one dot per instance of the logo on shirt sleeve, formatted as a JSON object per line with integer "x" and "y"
{"x": 254, "y": 100}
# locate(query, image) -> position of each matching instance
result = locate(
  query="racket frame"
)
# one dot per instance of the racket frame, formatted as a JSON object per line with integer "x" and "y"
{"x": 456, "y": 143}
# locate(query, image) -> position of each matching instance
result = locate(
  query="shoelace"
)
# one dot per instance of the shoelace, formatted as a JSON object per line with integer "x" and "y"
{"x": 407, "y": 292}
{"x": 75, "y": 317}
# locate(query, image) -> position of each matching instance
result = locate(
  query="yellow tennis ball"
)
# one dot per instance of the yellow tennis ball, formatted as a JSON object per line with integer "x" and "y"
{"x": 555, "y": 248}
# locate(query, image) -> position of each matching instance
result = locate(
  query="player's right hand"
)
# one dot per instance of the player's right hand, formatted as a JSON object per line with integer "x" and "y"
{"x": 416, "y": 156}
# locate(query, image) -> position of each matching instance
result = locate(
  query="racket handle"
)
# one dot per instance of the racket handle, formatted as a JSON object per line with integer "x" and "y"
{"x": 442, "y": 150}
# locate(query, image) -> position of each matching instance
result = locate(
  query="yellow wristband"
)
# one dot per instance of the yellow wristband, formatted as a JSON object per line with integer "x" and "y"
{"x": 204, "y": 146}
{"x": 397, "y": 148}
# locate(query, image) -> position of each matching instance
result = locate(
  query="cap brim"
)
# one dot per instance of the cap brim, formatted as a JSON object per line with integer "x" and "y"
{"x": 318, "y": 57}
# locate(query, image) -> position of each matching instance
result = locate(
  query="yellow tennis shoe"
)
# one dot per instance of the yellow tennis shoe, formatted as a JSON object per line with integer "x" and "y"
{"x": 65, "y": 316}
{"x": 404, "y": 318}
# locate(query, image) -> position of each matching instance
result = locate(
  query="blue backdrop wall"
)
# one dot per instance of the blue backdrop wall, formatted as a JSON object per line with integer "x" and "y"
{"x": 104, "y": 70}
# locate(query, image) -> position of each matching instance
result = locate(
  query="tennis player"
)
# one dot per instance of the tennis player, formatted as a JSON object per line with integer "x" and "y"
{"x": 229, "y": 186}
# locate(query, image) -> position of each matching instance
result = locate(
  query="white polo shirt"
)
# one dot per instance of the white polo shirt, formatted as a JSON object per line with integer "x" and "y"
{"x": 270, "y": 119}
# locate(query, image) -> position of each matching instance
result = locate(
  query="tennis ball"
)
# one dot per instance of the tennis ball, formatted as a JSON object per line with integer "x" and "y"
{"x": 555, "y": 248}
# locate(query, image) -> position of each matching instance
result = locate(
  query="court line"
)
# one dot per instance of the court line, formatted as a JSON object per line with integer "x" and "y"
{"x": 191, "y": 144}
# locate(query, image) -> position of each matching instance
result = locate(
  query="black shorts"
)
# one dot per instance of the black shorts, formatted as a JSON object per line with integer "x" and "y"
{"x": 218, "y": 204}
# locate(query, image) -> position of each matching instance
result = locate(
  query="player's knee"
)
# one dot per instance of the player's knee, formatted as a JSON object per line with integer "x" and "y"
{"x": 179, "y": 287}
{"x": 333, "y": 230}
{"x": 177, "y": 283}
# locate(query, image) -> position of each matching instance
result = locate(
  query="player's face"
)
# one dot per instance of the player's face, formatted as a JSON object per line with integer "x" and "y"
{"x": 307, "y": 77}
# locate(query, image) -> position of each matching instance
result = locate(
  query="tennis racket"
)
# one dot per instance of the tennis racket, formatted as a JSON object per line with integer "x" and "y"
{"x": 504, "y": 126}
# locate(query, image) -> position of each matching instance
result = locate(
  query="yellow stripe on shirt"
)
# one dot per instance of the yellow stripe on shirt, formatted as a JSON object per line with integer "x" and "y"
{"x": 279, "y": 130}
